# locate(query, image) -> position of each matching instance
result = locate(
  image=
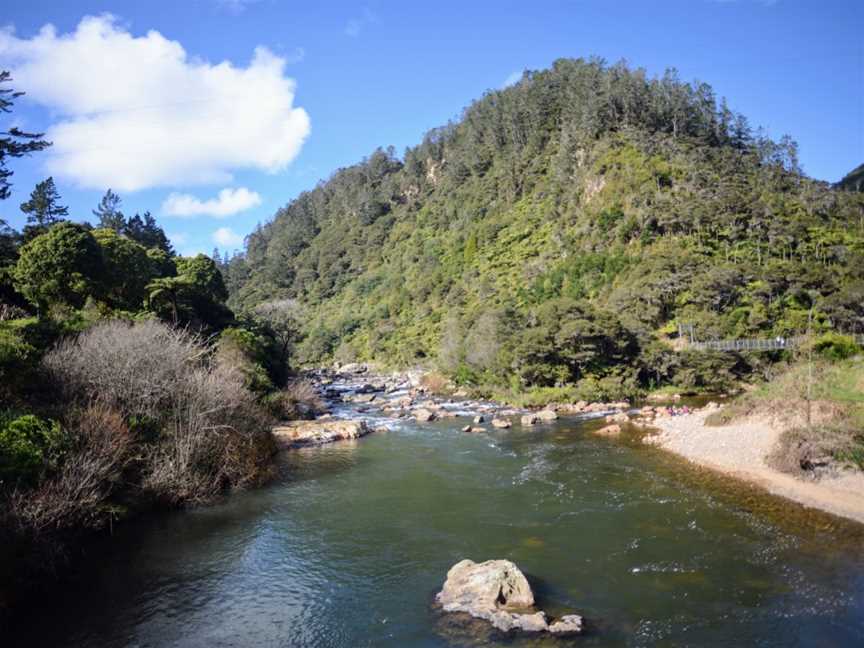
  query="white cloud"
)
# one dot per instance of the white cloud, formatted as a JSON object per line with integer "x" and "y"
{"x": 514, "y": 77}
{"x": 227, "y": 203}
{"x": 226, "y": 237}
{"x": 235, "y": 6}
{"x": 137, "y": 111}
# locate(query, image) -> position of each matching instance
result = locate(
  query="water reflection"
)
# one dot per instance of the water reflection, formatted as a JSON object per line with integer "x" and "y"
{"x": 349, "y": 547}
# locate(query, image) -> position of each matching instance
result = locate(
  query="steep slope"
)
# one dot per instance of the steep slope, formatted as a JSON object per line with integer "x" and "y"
{"x": 854, "y": 180}
{"x": 558, "y": 233}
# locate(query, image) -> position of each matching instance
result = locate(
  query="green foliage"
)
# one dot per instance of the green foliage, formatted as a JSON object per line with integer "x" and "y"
{"x": 43, "y": 209}
{"x": 195, "y": 296}
{"x": 127, "y": 269}
{"x": 61, "y": 267}
{"x": 836, "y": 346}
{"x": 28, "y": 445}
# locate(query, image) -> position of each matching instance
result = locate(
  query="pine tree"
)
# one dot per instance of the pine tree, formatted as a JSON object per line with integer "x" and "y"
{"x": 108, "y": 212}
{"x": 44, "y": 209}
{"x": 14, "y": 143}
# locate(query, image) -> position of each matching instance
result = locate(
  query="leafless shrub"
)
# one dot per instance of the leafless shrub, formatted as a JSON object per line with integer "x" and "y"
{"x": 133, "y": 367}
{"x": 298, "y": 400}
{"x": 200, "y": 409}
{"x": 76, "y": 496}
{"x": 214, "y": 419}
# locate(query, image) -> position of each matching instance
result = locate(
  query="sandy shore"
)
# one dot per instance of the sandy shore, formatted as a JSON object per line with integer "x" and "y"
{"x": 739, "y": 450}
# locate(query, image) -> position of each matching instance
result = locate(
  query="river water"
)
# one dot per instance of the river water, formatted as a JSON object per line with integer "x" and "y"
{"x": 350, "y": 545}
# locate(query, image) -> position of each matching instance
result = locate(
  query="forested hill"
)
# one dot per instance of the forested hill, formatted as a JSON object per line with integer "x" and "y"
{"x": 558, "y": 232}
{"x": 854, "y": 180}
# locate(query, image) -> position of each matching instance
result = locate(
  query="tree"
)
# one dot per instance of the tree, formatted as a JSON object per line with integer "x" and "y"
{"x": 128, "y": 270}
{"x": 195, "y": 296}
{"x": 14, "y": 143}
{"x": 146, "y": 232}
{"x": 108, "y": 212}
{"x": 62, "y": 267}
{"x": 43, "y": 209}
{"x": 282, "y": 318}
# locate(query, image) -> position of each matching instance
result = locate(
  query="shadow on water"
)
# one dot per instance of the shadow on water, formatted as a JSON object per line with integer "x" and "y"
{"x": 348, "y": 547}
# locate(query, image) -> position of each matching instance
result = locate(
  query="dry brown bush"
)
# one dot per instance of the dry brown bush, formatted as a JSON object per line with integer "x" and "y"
{"x": 214, "y": 419}
{"x": 816, "y": 451}
{"x": 298, "y": 400}
{"x": 132, "y": 366}
{"x": 204, "y": 416}
{"x": 76, "y": 496}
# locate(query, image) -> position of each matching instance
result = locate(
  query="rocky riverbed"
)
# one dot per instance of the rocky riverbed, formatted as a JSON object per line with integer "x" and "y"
{"x": 356, "y": 388}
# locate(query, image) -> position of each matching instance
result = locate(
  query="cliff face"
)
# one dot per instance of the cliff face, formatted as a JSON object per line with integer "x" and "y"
{"x": 558, "y": 233}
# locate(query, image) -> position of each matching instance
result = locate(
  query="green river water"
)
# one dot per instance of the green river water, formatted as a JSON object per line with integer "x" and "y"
{"x": 350, "y": 545}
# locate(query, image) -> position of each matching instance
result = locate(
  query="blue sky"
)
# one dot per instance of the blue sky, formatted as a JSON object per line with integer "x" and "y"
{"x": 370, "y": 75}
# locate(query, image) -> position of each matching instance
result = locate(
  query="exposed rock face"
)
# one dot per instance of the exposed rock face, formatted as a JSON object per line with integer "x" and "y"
{"x": 423, "y": 415}
{"x": 497, "y": 591}
{"x": 305, "y": 433}
{"x": 501, "y": 423}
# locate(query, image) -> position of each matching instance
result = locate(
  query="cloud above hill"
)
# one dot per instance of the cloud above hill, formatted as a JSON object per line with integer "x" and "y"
{"x": 134, "y": 112}
{"x": 227, "y": 203}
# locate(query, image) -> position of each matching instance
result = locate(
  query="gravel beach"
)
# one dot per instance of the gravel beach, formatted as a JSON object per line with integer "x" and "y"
{"x": 740, "y": 450}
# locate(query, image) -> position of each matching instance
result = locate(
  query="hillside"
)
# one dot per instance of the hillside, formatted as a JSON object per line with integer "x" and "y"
{"x": 854, "y": 180}
{"x": 557, "y": 234}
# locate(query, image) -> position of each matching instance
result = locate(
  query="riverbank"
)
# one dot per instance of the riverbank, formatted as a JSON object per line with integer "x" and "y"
{"x": 739, "y": 450}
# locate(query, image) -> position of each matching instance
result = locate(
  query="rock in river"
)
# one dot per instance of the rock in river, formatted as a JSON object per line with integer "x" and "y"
{"x": 303, "y": 433}
{"x": 424, "y": 415}
{"x": 501, "y": 423}
{"x": 497, "y": 591}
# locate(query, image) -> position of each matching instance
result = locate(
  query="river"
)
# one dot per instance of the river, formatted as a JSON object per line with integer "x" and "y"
{"x": 350, "y": 545}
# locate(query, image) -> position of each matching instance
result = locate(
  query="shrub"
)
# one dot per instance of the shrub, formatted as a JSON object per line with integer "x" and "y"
{"x": 134, "y": 368}
{"x": 814, "y": 451}
{"x": 298, "y": 400}
{"x": 28, "y": 445}
{"x": 202, "y": 428}
{"x": 836, "y": 346}
{"x": 76, "y": 495}
{"x": 216, "y": 437}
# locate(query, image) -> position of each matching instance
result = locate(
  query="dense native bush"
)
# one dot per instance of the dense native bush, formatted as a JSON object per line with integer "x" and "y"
{"x": 836, "y": 346}
{"x": 645, "y": 200}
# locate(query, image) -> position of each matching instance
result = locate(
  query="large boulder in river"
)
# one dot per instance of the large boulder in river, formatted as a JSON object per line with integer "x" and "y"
{"x": 501, "y": 423}
{"x": 424, "y": 415}
{"x": 485, "y": 587}
{"x": 305, "y": 433}
{"x": 497, "y": 591}
{"x": 530, "y": 419}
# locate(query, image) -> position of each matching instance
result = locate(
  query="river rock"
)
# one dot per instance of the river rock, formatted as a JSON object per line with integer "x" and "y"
{"x": 567, "y": 624}
{"x": 620, "y": 417}
{"x": 497, "y": 591}
{"x": 304, "y": 433}
{"x": 485, "y": 587}
{"x": 423, "y": 415}
{"x": 609, "y": 430}
{"x": 547, "y": 415}
{"x": 530, "y": 419}
{"x": 479, "y": 419}
{"x": 501, "y": 423}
